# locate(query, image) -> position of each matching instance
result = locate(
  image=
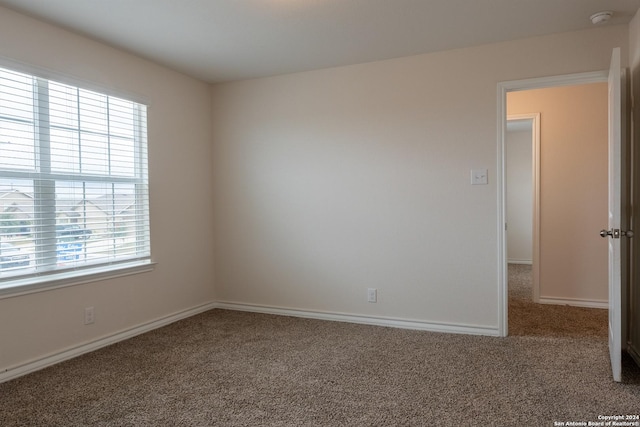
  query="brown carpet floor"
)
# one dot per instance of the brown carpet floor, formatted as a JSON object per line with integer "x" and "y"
{"x": 225, "y": 368}
{"x": 529, "y": 319}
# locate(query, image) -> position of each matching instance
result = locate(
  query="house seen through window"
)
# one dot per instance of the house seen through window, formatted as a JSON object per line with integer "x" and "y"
{"x": 73, "y": 178}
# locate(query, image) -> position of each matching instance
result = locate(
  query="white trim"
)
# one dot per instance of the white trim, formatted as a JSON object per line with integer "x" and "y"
{"x": 366, "y": 320}
{"x": 520, "y": 261}
{"x": 503, "y": 323}
{"x": 555, "y": 81}
{"x": 69, "y": 353}
{"x": 502, "y": 89}
{"x": 52, "y": 359}
{"x": 30, "y": 285}
{"x": 575, "y": 302}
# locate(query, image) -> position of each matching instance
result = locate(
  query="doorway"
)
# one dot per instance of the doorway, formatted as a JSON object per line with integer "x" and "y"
{"x": 549, "y": 295}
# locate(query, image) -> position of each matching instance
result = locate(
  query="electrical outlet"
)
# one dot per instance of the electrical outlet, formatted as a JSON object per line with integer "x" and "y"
{"x": 372, "y": 295}
{"x": 89, "y": 316}
{"x": 479, "y": 177}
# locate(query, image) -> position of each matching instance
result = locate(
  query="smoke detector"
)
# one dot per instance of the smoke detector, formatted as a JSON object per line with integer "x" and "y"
{"x": 601, "y": 17}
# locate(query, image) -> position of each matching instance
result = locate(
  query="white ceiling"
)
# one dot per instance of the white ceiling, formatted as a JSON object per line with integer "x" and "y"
{"x": 222, "y": 40}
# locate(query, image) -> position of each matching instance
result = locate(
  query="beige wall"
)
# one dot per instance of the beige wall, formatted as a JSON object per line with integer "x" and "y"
{"x": 573, "y": 188}
{"x": 332, "y": 181}
{"x": 179, "y": 136}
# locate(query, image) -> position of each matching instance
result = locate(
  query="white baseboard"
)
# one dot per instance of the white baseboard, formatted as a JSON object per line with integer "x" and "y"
{"x": 52, "y": 359}
{"x": 520, "y": 261}
{"x": 575, "y": 302}
{"x": 70, "y": 353}
{"x": 367, "y": 320}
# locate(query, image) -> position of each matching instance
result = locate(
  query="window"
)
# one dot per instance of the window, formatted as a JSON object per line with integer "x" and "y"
{"x": 73, "y": 179}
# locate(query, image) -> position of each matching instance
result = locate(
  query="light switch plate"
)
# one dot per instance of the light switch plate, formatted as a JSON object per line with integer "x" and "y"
{"x": 479, "y": 176}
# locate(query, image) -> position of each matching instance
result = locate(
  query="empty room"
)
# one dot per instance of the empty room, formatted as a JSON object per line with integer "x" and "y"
{"x": 294, "y": 212}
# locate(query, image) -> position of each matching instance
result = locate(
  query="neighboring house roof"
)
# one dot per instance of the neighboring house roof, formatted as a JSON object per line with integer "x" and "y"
{"x": 18, "y": 201}
{"x": 6, "y": 194}
{"x": 110, "y": 204}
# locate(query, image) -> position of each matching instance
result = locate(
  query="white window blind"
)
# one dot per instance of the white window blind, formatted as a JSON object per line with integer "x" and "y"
{"x": 73, "y": 178}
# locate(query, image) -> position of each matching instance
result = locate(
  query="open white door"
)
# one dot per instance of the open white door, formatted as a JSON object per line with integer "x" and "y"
{"x": 617, "y": 231}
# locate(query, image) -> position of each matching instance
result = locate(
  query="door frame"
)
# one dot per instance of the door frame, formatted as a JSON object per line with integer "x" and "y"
{"x": 503, "y": 89}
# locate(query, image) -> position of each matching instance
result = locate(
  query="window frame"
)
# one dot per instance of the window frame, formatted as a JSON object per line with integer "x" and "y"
{"x": 54, "y": 278}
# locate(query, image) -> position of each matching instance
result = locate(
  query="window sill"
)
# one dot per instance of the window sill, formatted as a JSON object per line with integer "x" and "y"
{"x": 25, "y": 286}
